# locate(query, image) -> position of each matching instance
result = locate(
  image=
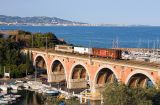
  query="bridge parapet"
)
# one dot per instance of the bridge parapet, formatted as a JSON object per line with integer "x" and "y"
{"x": 124, "y": 70}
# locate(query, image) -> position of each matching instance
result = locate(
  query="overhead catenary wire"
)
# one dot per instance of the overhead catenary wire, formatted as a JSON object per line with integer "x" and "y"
{"x": 107, "y": 43}
{"x": 98, "y": 41}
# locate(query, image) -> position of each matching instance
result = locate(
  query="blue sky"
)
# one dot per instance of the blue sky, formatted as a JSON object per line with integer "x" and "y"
{"x": 145, "y": 12}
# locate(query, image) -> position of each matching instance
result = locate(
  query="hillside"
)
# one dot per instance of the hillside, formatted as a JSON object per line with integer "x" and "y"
{"x": 24, "y": 38}
{"x": 37, "y": 20}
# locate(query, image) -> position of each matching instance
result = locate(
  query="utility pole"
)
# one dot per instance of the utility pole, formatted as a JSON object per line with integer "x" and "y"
{"x": 27, "y": 57}
{"x": 90, "y": 60}
{"x": 113, "y": 44}
{"x": 32, "y": 40}
{"x": 148, "y": 44}
{"x": 4, "y": 71}
{"x": 10, "y": 73}
{"x": 26, "y": 73}
{"x": 35, "y": 72}
{"x": 117, "y": 43}
{"x": 46, "y": 43}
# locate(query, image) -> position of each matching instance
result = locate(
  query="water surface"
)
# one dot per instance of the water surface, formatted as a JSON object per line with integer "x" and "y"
{"x": 104, "y": 37}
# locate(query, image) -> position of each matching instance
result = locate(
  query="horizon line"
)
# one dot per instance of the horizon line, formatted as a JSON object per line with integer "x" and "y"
{"x": 99, "y": 24}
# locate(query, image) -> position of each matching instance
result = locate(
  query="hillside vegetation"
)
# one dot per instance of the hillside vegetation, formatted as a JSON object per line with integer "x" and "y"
{"x": 11, "y": 57}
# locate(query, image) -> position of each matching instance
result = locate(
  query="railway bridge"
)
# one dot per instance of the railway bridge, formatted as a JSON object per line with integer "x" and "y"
{"x": 83, "y": 71}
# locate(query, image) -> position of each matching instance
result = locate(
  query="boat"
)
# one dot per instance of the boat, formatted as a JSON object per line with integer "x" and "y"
{"x": 11, "y": 98}
{"x": 19, "y": 81}
{"x": 35, "y": 85}
{"x": 7, "y": 99}
{"x": 3, "y": 102}
{"x": 17, "y": 96}
{"x": 40, "y": 91}
{"x": 4, "y": 88}
{"x": 68, "y": 97}
{"x": 14, "y": 91}
{"x": 26, "y": 86}
{"x": 2, "y": 94}
{"x": 14, "y": 87}
{"x": 52, "y": 92}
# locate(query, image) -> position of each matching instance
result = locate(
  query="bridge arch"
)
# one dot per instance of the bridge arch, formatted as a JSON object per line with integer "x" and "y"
{"x": 40, "y": 57}
{"x": 106, "y": 71}
{"x": 80, "y": 64}
{"x": 59, "y": 61}
{"x": 136, "y": 73}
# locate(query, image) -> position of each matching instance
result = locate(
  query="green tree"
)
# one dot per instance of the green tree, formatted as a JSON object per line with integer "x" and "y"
{"x": 22, "y": 68}
{"x": 12, "y": 57}
{"x": 119, "y": 94}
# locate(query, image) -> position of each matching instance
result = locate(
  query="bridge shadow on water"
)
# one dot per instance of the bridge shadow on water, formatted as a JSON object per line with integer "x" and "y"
{"x": 29, "y": 98}
{"x": 32, "y": 98}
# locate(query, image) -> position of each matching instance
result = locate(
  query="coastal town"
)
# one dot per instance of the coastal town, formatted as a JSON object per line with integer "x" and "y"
{"x": 70, "y": 72}
{"x": 79, "y": 52}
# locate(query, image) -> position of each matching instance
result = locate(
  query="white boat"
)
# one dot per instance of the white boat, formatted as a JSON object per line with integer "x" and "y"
{"x": 17, "y": 96}
{"x": 46, "y": 86}
{"x": 19, "y": 81}
{"x": 6, "y": 99}
{"x": 14, "y": 91}
{"x": 26, "y": 86}
{"x": 35, "y": 85}
{"x": 40, "y": 91}
{"x": 14, "y": 87}
{"x": 3, "y": 102}
{"x": 4, "y": 87}
{"x": 9, "y": 98}
{"x": 12, "y": 96}
{"x": 68, "y": 97}
{"x": 2, "y": 94}
{"x": 52, "y": 92}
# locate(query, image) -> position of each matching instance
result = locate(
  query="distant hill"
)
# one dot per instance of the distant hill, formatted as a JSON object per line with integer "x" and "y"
{"x": 37, "y": 20}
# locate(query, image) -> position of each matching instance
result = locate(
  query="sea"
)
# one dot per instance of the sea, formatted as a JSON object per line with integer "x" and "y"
{"x": 89, "y": 36}
{"x": 101, "y": 36}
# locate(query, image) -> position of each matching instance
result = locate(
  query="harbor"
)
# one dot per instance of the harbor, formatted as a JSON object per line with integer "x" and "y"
{"x": 140, "y": 54}
{"x": 43, "y": 85}
{"x": 14, "y": 93}
{"x": 56, "y": 72}
{"x": 80, "y": 52}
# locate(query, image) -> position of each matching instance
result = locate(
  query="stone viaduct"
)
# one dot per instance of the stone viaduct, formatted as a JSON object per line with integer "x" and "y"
{"x": 81, "y": 71}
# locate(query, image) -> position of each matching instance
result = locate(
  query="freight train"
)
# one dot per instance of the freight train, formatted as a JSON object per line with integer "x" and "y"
{"x": 95, "y": 52}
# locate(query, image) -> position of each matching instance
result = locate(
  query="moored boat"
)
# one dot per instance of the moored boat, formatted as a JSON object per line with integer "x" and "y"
{"x": 14, "y": 87}
{"x": 4, "y": 88}
{"x": 52, "y": 92}
{"x": 3, "y": 102}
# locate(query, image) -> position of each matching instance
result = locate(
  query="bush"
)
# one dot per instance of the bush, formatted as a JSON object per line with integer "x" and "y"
{"x": 119, "y": 94}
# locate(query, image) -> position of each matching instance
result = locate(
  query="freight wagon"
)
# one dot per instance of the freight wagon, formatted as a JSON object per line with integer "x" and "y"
{"x": 64, "y": 48}
{"x": 82, "y": 50}
{"x": 108, "y": 53}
